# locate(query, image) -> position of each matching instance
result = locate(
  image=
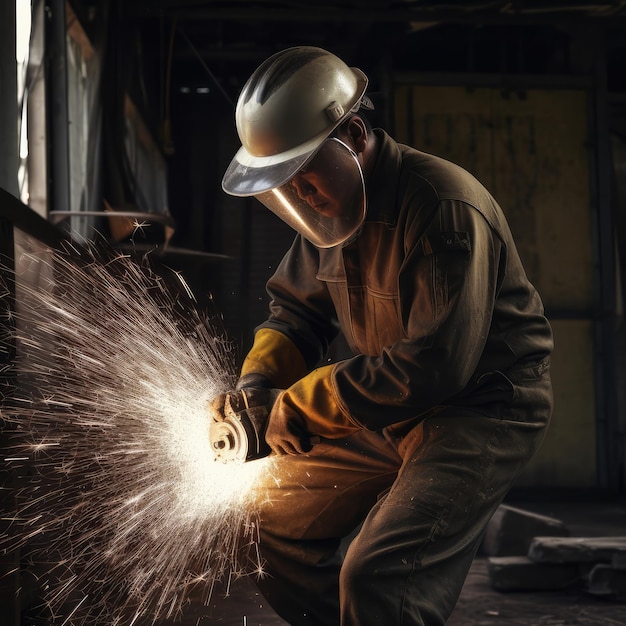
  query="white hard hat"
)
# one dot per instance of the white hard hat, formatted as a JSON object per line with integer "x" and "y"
{"x": 288, "y": 107}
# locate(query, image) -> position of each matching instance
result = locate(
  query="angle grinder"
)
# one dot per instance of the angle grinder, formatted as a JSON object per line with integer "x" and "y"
{"x": 237, "y": 427}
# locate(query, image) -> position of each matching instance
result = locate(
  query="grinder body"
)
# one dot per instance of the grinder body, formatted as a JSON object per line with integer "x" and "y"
{"x": 238, "y": 422}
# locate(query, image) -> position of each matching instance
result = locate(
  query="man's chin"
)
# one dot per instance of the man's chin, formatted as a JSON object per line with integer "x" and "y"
{"x": 327, "y": 210}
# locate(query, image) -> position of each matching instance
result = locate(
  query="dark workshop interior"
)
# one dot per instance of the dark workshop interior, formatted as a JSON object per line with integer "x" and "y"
{"x": 127, "y": 107}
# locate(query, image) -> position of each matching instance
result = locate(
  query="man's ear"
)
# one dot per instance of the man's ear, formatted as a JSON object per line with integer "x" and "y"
{"x": 356, "y": 133}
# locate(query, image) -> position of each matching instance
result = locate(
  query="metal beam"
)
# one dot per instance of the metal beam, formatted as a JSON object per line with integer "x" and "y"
{"x": 60, "y": 162}
{"x": 324, "y": 13}
{"x": 9, "y": 152}
{"x": 609, "y": 444}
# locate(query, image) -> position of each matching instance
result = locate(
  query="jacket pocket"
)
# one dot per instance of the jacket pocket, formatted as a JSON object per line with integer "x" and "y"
{"x": 383, "y": 321}
{"x": 492, "y": 393}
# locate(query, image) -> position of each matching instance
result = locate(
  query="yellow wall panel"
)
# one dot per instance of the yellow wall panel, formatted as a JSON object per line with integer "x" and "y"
{"x": 542, "y": 180}
{"x": 451, "y": 122}
{"x": 530, "y": 151}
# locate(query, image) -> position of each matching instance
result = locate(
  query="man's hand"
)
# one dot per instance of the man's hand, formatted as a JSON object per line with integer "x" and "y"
{"x": 257, "y": 401}
{"x": 305, "y": 412}
{"x": 218, "y": 406}
{"x": 252, "y": 391}
{"x": 286, "y": 431}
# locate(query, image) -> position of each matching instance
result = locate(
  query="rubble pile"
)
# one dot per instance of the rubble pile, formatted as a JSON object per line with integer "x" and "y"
{"x": 531, "y": 552}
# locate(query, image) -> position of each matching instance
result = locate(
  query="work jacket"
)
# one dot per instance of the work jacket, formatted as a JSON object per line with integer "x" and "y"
{"x": 431, "y": 296}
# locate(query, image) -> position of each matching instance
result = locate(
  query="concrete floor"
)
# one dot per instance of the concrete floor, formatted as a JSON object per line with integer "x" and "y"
{"x": 479, "y": 604}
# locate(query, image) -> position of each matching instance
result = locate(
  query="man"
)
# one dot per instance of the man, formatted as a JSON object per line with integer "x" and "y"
{"x": 411, "y": 443}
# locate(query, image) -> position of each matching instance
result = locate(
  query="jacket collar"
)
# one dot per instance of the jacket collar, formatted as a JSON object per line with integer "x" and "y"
{"x": 381, "y": 186}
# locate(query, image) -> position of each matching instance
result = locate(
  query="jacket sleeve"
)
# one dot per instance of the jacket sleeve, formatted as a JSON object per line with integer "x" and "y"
{"x": 302, "y": 321}
{"x": 447, "y": 288}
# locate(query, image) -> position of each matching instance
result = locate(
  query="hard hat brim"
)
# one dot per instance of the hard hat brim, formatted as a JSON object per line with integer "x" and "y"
{"x": 248, "y": 175}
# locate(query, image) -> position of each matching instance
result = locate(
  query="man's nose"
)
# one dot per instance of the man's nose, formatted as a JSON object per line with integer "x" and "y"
{"x": 302, "y": 186}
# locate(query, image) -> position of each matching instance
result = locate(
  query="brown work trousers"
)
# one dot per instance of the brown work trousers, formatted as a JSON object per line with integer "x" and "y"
{"x": 415, "y": 509}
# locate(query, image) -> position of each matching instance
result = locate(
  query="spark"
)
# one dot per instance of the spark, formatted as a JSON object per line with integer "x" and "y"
{"x": 107, "y": 417}
{"x": 138, "y": 227}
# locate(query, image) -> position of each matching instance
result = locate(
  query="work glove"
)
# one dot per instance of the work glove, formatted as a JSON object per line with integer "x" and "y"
{"x": 274, "y": 362}
{"x": 253, "y": 400}
{"x": 307, "y": 410}
{"x": 275, "y": 358}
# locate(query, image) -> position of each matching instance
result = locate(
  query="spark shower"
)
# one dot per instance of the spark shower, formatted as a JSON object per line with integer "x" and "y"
{"x": 119, "y": 503}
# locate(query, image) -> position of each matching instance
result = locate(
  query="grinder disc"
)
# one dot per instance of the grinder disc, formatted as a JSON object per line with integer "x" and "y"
{"x": 229, "y": 440}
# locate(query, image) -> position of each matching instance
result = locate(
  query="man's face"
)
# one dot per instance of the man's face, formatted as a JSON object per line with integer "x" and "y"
{"x": 331, "y": 182}
{"x": 324, "y": 201}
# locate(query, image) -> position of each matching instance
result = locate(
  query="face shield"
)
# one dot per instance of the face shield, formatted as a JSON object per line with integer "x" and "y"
{"x": 324, "y": 200}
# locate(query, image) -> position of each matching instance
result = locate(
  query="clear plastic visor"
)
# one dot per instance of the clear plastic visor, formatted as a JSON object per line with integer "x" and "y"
{"x": 325, "y": 200}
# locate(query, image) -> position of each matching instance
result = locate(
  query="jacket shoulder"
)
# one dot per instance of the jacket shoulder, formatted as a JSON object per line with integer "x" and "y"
{"x": 447, "y": 181}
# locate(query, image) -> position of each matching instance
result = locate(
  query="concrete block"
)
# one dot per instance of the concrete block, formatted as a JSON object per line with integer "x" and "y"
{"x": 519, "y": 573}
{"x": 576, "y": 549}
{"x": 511, "y": 530}
{"x": 608, "y": 582}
